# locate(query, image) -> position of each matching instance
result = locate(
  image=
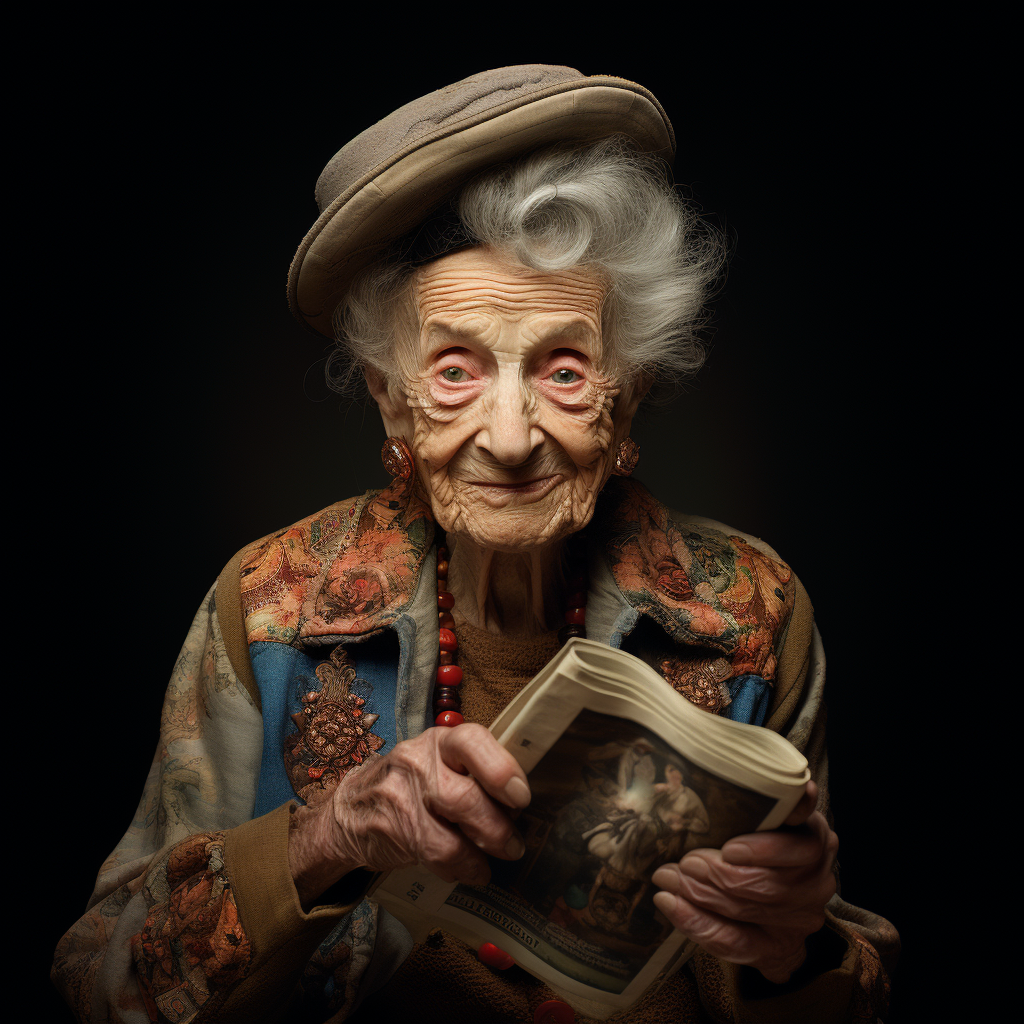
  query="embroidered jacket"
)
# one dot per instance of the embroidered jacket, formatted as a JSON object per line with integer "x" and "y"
{"x": 315, "y": 650}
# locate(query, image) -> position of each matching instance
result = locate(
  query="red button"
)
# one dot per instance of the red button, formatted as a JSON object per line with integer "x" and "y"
{"x": 449, "y": 718}
{"x": 448, "y": 641}
{"x": 494, "y": 957}
{"x": 576, "y": 616}
{"x": 446, "y": 601}
{"x": 553, "y": 1011}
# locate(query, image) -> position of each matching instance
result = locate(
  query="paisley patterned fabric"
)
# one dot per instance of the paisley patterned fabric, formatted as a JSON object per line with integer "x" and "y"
{"x": 705, "y": 588}
{"x": 345, "y": 571}
{"x": 192, "y": 945}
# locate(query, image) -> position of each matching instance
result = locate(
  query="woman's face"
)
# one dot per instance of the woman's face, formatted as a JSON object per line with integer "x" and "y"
{"x": 511, "y": 414}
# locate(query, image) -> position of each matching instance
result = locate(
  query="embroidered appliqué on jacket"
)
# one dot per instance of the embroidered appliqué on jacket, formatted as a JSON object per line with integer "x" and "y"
{"x": 700, "y": 681}
{"x": 333, "y": 731}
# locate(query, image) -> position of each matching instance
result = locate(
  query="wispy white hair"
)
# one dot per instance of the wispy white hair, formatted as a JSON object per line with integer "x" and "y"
{"x": 603, "y": 205}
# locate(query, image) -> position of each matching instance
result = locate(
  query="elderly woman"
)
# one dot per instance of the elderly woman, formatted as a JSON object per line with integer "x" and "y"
{"x": 506, "y": 265}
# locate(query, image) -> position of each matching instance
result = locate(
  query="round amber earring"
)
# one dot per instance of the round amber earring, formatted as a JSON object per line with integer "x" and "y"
{"x": 397, "y": 458}
{"x": 626, "y": 457}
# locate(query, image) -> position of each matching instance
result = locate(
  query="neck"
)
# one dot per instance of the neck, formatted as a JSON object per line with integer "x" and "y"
{"x": 515, "y": 594}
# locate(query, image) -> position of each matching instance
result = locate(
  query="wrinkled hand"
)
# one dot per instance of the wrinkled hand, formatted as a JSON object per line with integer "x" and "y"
{"x": 438, "y": 800}
{"x": 757, "y": 899}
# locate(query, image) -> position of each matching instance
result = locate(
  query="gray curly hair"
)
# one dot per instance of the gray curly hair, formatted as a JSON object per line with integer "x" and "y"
{"x": 602, "y": 205}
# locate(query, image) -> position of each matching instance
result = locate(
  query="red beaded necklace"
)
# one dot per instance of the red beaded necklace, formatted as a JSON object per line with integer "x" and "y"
{"x": 447, "y": 702}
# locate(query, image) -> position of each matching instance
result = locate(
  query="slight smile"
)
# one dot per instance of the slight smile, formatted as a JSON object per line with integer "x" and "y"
{"x": 498, "y": 494}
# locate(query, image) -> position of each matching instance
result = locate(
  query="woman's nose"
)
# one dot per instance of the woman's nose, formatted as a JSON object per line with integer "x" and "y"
{"x": 510, "y": 433}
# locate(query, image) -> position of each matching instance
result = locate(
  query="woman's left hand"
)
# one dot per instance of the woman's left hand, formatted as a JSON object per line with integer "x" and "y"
{"x": 757, "y": 899}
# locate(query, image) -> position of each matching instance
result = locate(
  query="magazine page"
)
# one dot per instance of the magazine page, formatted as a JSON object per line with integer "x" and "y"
{"x": 613, "y": 799}
{"x": 751, "y": 756}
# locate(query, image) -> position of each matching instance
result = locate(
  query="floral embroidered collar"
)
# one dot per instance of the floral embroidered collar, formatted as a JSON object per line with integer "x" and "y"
{"x": 352, "y": 568}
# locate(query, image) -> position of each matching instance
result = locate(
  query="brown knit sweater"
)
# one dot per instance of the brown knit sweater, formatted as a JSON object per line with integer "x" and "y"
{"x": 495, "y": 668}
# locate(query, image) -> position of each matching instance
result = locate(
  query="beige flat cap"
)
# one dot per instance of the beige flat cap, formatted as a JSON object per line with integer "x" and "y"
{"x": 392, "y": 176}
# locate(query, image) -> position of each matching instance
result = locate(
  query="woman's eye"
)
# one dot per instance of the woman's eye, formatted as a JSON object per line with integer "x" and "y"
{"x": 565, "y": 376}
{"x": 454, "y": 374}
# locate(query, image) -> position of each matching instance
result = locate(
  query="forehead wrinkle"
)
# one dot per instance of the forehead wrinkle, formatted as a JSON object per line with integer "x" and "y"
{"x": 463, "y": 289}
{"x": 453, "y": 276}
{"x": 445, "y": 283}
{"x": 570, "y": 301}
{"x": 471, "y": 303}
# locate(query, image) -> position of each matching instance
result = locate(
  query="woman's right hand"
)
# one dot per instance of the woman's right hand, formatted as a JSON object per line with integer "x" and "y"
{"x": 438, "y": 800}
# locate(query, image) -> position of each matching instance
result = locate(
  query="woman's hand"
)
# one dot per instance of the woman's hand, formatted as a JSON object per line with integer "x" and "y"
{"x": 757, "y": 899}
{"x": 438, "y": 800}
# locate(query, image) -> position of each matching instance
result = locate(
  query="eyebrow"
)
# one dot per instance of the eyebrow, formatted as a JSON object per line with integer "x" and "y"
{"x": 576, "y": 329}
{"x": 450, "y": 331}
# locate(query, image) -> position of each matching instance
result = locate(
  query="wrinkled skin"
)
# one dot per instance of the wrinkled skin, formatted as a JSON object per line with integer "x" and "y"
{"x": 510, "y": 390}
{"x": 439, "y": 800}
{"x": 757, "y": 899}
{"x": 509, "y": 406}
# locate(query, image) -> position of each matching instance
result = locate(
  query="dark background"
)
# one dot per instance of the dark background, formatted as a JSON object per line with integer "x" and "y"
{"x": 190, "y": 414}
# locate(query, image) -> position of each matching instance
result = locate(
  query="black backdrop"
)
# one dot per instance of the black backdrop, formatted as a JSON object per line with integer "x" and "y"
{"x": 193, "y": 415}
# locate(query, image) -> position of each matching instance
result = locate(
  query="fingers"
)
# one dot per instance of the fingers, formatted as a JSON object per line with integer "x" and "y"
{"x": 776, "y": 956}
{"x": 447, "y": 852}
{"x": 802, "y": 847}
{"x": 757, "y": 899}
{"x": 411, "y": 808}
{"x": 459, "y": 800}
{"x": 773, "y": 905}
{"x": 752, "y": 884}
{"x": 471, "y": 748}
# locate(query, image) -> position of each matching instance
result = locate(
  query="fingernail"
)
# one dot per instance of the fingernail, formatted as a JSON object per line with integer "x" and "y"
{"x": 677, "y": 907}
{"x": 515, "y": 848}
{"x": 517, "y": 792}
{"x": 695, "y": 867}
{"x": 664, "y": 878}
{"x": 665, "y": 902}
{"x": 738, "y": 853}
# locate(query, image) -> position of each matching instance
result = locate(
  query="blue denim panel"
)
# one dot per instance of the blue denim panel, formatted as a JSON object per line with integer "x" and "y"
{"x": 751, "y": 696}
{"x": 376, "y": 662}
{"x": 624, "y": 625}
{"x": 284, "y": 673}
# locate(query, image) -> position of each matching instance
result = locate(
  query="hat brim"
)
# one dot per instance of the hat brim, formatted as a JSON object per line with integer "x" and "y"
{"x": 400, "y": 193}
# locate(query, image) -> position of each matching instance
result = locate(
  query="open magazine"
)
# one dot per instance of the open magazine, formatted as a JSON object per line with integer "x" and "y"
{"x": 626, "y": 775}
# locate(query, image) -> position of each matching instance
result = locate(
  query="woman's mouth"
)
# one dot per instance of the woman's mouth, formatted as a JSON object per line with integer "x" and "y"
{"x": 522, "y": 492}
